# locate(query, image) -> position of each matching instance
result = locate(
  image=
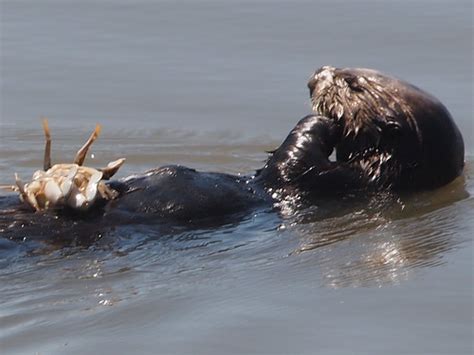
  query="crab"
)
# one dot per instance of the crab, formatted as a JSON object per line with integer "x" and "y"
{"x": 68, "y": 185}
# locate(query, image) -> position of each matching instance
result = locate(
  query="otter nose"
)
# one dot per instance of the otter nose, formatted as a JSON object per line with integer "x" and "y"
{"x": 311, "y": 84}
{"x": 321, "y": 78}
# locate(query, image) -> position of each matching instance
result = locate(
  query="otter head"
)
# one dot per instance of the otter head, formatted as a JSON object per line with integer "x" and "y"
{"x": 376, "y": 114}
{"x": 363, "y": 100}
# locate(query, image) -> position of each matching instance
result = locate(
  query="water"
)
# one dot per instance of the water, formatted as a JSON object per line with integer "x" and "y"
{"x": 213, "y": 85}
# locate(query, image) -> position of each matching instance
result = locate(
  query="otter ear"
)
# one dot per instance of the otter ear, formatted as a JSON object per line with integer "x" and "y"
{"x": 392, "y": 132}
{"x": 352, "y": 81}
{"x": 388, "y": 126}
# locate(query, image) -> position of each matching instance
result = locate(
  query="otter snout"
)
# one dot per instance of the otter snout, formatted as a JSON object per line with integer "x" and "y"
{"x": 321, "y": 79}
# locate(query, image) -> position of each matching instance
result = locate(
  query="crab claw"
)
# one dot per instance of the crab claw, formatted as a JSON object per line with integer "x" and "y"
{"x": 91, "y": 189}
{"x": 112, "y": 168}
{"x": 76, "y": 200}
{"x": 82, "y": 200}
{"x": 68, "y": 182}
{"x": 53, "y": 192}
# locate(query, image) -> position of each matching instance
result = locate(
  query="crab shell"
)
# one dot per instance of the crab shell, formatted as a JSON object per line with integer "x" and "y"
{"x": 68, "y": 185}
{"x": 63, "y": 185}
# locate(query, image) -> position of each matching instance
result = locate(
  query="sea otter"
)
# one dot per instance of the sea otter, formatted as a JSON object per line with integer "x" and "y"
{"x": 395, "y": 134}
{"x": 387, "y": 134}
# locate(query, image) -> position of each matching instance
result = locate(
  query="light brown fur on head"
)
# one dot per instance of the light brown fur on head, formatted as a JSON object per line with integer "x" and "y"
{"x": 372, "y": 110}
{"x": 361, "y": 100}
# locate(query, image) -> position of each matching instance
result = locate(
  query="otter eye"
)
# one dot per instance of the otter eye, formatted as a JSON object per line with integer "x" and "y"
{"x": 353, "y": 82}
{"x": 394, "y": 127}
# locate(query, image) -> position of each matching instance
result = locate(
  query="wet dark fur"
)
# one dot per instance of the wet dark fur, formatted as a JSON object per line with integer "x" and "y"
{"x": 399, "y": 135}
{"x": 299, "y": 170}
{"x": 299, "y": 166}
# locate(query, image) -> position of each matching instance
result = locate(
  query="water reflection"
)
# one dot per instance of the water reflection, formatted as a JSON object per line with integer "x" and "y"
{"x": 355, "y": 240}
{"x": 382, "y": 242}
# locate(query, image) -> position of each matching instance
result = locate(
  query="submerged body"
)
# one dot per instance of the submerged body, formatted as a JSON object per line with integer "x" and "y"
{"x": 183, "y": 194}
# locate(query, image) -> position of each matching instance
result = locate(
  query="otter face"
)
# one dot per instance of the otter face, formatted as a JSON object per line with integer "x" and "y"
{"x": 361, "y": 100}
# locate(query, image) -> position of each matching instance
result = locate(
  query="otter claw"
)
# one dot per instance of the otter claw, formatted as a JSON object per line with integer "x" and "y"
{"x": 106, "y": 192}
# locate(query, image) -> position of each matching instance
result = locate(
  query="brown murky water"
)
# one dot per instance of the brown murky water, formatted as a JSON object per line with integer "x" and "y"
{"x": 213, "y": 85}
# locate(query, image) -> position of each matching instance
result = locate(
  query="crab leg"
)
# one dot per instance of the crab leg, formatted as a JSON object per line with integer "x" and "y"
{"x": 47, "y": 147}
{"x": 28, "y": 197}
{"x": 81, "y": 153}
{"x": 32, "y": 200}
{"x": 21, "y": 186}
{"x": 9, "y": 187}
{"x": 112, "y": 168}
